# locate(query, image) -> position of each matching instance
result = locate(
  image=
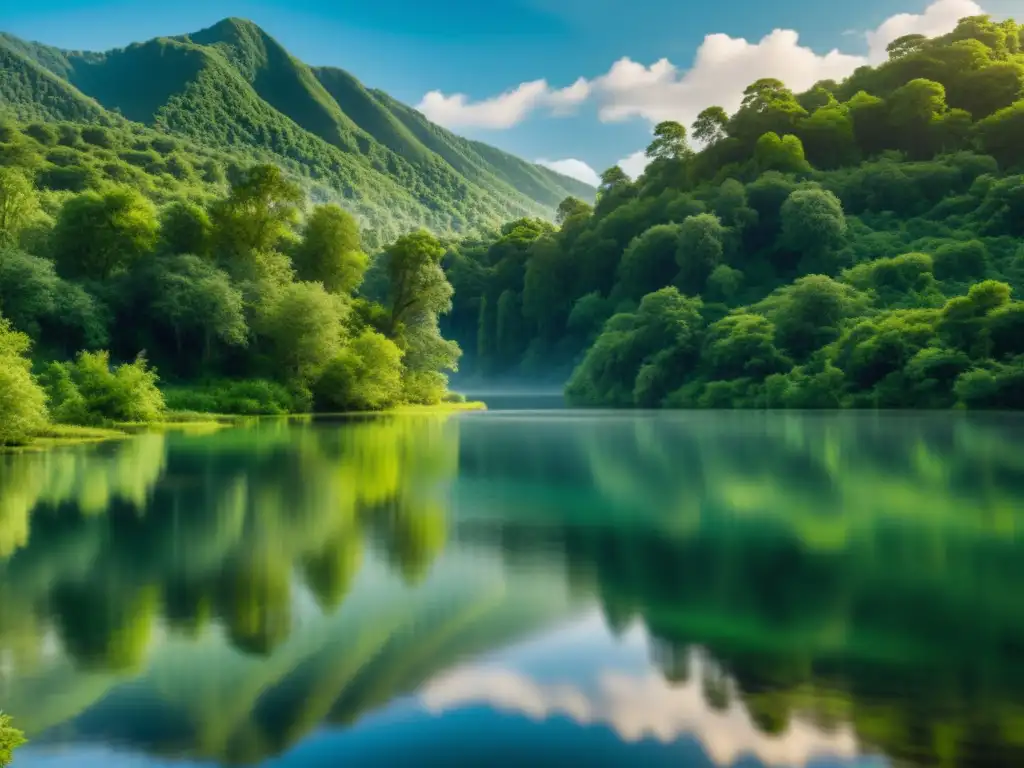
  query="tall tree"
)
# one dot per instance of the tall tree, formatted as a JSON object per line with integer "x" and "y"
{"x": 905, "y": 45}
{"x": 197, "y": 300}
{"x": 570, "y": 207}
{"x": 419, "y": 291}
{"x": 813, "y": 222}
{"x": 416, "y": 282}
{"x": 260, "y": 210}
{"x": 710, "y": 125}
{"x": 18, "y": 203}
{"x": 22, "y": 402}
{"x": 330, "y": 250}
{"x": 669, "y": 142}
{"x": 701, "y": 245}
{"x": 185, "y": 228}
{"x": 305, "y": 326}
{"x": 99, "y": 234}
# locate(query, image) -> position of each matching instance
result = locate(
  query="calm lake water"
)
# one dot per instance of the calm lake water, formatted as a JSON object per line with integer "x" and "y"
{"x": 540, "y": 587}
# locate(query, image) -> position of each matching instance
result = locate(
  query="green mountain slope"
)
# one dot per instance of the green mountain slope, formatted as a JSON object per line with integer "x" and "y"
{"x": 232, "y": 86}
{"x": 32, "y": 91}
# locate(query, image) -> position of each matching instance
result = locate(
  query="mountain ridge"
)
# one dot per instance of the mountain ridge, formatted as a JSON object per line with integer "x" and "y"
{"x": 232, "y": 86}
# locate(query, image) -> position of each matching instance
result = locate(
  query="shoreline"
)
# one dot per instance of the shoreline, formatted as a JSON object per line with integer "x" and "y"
{"x": 65, "y": 435}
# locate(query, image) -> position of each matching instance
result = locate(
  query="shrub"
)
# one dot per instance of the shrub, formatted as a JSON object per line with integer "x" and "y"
{"x": 251, "y": 397}
{"x": 961, "y": 260}
{"x": 366, "y": 376}
{"x": 10, "y": 739}
{"x": 22, "y": 400}
{"x": 997, "y": 387}
{"x": 89, "y": 392}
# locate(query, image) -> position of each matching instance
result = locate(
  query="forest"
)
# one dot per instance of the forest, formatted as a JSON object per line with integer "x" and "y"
{"x": 233, "y": 92}
{"x": 855, "y": 245}
{"x": 246, "y": 303}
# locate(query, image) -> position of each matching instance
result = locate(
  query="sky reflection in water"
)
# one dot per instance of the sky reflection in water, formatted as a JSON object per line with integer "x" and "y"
{"x": 697, "y": 589}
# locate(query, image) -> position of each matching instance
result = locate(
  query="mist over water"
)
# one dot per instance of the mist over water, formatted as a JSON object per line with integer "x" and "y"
{"x": 521, "y": 587}
{"x": 518, "y": 398}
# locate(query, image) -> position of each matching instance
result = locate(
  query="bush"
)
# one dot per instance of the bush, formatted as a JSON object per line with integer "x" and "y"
{"x": 88, "y": 392}
{"x": 250, "y": 397}
{"x": 424, "y": 387}
{"x": 22, "y": 401}
{"x": 997, "y": 387}
{"x": 10, "y": 739}
{"x": 365, "y": 376}
{"x": 961, "y": 260}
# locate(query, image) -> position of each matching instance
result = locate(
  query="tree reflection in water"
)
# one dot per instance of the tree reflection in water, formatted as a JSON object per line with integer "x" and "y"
{"x": 851, "y": 571}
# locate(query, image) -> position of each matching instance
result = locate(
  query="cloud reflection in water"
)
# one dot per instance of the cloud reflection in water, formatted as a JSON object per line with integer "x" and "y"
{"x": 637, "y": 706}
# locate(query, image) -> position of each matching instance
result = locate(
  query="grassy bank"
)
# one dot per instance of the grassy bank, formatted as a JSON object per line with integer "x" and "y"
{"x": 192, "y": 422}
{"x": 61, "y": 435}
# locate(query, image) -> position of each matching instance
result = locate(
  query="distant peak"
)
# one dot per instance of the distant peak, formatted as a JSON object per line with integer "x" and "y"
{"x": 229, "y": 30}
{"x": 235, "y": 22}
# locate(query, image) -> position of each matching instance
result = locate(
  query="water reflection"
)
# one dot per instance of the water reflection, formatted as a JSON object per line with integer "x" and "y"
{"x": 786, "y": 586}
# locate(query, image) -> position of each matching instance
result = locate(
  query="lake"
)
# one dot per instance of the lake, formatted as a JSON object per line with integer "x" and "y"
{"x": 521, "y": 587}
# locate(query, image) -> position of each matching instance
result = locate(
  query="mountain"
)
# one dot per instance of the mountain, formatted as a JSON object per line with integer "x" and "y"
{"x": 232, "y": 87}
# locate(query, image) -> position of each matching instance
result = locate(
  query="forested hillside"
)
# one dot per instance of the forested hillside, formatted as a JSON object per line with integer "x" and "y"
{"x": 858, "y": 245}
{"x": 244, "y": 297}
{"x": 233, "y": 90}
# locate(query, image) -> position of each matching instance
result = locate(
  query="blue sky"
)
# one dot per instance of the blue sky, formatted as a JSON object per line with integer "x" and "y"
{"x": 483, "y": 48}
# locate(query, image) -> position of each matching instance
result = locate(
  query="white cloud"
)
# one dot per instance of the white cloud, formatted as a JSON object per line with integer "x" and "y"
{"x": 636, "y": 707}
{"x": 573, "y": 168}
{"x": 938, "y": 18}
{"x": 505, "y": 109}
{"x": 634, "y": 164}
{"x": 563, "y": 102}
{"x": 722, "y": 67}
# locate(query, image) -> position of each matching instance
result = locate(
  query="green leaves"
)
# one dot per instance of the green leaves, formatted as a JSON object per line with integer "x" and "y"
{"x": 305, "y": 327}
{"x": 22, "y": 403}
{"x": 330, "y": 250}
{"x": 10, "y": 739}
{"x": 999, "y": 135}
{"x": 669, "y": 142}
{"x": 101, "y": 234}
{"x": 784, "y": 154}
{"x": 90, "y": 392}
{"x": 256, "y": 215}
{"x": 640, "y": 357}
{"x": 813, "y": 222}
{"x": 18, "y": 204}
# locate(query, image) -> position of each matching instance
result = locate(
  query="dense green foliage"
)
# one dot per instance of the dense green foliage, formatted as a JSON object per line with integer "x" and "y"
{"x": 22, "y": 402}
{"x": 188, "y": 108}
{"x": 88, "y": 391}
{"x": 855, "y": 245}
{"x": 10, "y": 739}
{"x": 245, "y": 304}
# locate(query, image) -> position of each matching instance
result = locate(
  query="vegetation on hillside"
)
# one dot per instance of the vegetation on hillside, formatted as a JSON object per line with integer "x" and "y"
{"x": 856, "y": 245}
{"x": 245, "y": 303}
{"x": 233, "y": 89}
